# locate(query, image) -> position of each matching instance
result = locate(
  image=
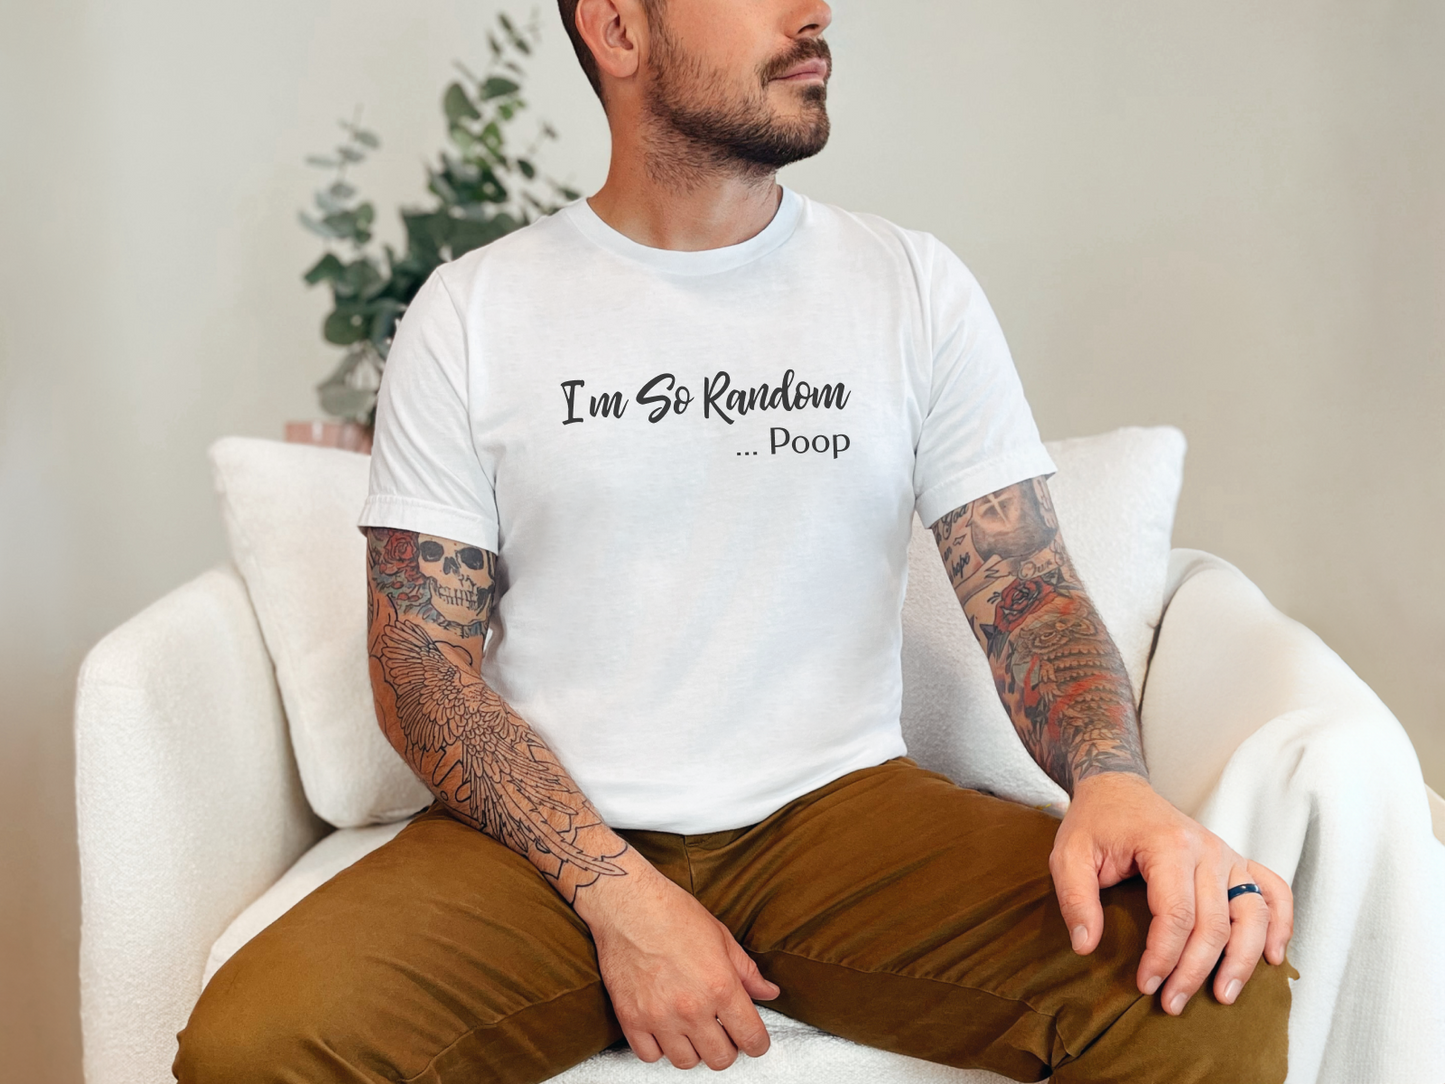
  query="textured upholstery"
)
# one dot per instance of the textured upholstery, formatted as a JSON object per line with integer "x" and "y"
{"x": 290, "y": 513}
{"x": 188, "y": 806}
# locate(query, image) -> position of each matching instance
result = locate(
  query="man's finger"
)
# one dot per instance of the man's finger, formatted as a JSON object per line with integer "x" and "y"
{"x": 1076, "y": 883}
{"x": 1249, "y": 920}
{"x": 748, "y": 973}
{"x": 1170, "y": 884}
{"x": 643, "y": 1045}
{"x": 1281, "y": 910}
{"x": 712, "y": 1044}
{"x": 1206, "y": 940}
{"x": 678, "y": 1049}
{"x": 739, "y": 1017}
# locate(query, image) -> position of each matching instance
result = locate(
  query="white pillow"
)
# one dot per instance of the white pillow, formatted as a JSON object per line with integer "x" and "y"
{"x": 290, "y": 512}
{"x": 1115, "y": 495}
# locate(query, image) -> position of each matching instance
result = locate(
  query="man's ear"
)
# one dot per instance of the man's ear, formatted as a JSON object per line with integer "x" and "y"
{"x": 615, "y": 31}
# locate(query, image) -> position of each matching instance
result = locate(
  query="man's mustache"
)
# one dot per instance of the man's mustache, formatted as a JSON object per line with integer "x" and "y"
{"x": 803, "y": 49}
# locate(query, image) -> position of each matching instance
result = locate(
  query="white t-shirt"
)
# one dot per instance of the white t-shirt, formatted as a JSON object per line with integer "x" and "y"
{"x": 699, "y": 470}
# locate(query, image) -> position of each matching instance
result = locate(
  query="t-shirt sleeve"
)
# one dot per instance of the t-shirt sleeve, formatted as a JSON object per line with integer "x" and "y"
{"x": 978, "y": 433}
{"x": 425, "y": 472}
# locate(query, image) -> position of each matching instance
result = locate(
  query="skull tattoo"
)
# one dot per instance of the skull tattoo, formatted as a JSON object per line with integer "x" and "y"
{"x": 459, "y": 578}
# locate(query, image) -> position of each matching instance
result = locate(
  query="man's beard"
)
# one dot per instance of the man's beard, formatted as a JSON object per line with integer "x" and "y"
{"x": 704, "y": 124}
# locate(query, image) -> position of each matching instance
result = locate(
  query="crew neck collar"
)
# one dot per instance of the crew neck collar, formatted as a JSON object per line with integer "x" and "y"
{"x": 707, "y": 261}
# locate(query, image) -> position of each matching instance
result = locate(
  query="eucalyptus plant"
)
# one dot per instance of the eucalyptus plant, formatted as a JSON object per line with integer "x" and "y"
{"x": 481, "y": 190}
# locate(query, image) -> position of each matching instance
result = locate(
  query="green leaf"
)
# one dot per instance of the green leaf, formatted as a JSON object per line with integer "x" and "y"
{"x": 518, "y": 42}
{"x": 340, "y": 190}
{"x": 426, "y": 234}
{"x": 321, "y": 161}
{"x": 349, "y": 154}
{"x": 497, "y": 86}
{"x": 442, "y": 189}
{"x": 482, "y": 186}
{"x": 342, "y": 224}
{"x": 463, "y": 139}
{"x": 350, "y": 391}
{"x": 360, "y": 279}
{"x": 321, "y": 228}
{"x": 528, "y": 170}
{"x": 366, "y": 138}
{"x": 457, "y": 105}
{"x": 328, "y": 268}
{"x": 383, "y": 320}
{"x": 346, "y": 325}
{"x": 505, "y": 223}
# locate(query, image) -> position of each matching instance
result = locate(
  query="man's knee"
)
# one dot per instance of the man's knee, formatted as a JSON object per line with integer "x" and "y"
{"x": 244, "y": 1032}
{"x": 1247, "y": 1041}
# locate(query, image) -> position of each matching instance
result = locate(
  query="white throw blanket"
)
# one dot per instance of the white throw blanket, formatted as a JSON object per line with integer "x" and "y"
{"x": 1321, "y": 785}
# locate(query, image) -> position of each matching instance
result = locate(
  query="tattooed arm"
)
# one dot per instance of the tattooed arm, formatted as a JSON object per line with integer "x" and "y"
{"x": 1063, "y": 682}
{"x": 1057, "y": 670}
{"x": 680, "y": 984}
{"x": 430, "y": 602}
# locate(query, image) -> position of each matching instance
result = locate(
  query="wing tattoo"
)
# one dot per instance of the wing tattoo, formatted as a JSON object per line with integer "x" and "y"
{"x": 511, "y": 783}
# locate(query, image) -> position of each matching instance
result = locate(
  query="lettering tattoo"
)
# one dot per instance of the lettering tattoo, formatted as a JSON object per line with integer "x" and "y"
{"x": 429, "y": 604}
{"x": 1055, "y": 666}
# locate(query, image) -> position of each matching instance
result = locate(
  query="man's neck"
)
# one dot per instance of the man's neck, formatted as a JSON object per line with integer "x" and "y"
{"x": 661, "y": 196}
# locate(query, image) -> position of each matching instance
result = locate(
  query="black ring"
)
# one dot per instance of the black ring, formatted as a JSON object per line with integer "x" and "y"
{"x": 1240, "y": 890}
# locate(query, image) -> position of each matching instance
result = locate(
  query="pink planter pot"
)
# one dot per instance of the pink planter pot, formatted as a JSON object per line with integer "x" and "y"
{"x": 347, "y": 436}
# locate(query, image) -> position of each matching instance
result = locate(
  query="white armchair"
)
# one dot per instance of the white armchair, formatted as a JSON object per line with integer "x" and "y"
{"x": 195, "y": 831}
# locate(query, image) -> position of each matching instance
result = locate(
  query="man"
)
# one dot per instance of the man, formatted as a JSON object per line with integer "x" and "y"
{"x": 667, "y": 445}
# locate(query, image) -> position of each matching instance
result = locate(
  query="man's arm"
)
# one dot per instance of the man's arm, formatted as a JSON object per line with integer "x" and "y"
{"x": 679, "y": 982}
{"x": 469, "y": 747}
{"x": 1056, "y": 667}
{"x": 1065, "y": 687}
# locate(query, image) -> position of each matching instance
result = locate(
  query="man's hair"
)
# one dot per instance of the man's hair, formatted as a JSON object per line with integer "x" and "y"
{"x": 568, "y": 8}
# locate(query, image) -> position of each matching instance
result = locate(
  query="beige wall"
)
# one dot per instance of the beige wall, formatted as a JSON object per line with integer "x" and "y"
{"x": 1227, "y": 217}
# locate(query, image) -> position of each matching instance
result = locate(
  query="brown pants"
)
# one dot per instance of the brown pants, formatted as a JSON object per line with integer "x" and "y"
{"x": 892, "y": 907}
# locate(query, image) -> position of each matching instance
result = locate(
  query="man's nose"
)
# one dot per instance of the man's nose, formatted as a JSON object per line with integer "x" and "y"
{"x": 812, "y": 19}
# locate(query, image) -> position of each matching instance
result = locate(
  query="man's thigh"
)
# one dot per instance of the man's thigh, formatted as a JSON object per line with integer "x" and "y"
{"x": 901, "y": 911}
{"x": 442, "y": 956}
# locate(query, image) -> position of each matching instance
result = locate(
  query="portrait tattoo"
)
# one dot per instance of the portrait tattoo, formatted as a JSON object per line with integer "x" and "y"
{"x": 428, "y": 607}
{"x": 1054, "y": 664}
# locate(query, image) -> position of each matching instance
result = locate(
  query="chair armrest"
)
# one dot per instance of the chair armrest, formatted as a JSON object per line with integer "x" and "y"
{"x": 1261, "y": 732}
{"x": 1226, "y": 662}
{"x": 188, "y": 808}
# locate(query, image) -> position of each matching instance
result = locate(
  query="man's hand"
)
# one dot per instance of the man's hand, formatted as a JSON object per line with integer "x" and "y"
{"x": 679, "y": 983}
{"x": 1118, "y": 826}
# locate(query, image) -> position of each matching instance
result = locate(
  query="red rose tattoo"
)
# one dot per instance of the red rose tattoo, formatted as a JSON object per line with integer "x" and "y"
{"x": 1019, "y": 600}
{"x": 396, "y": 567}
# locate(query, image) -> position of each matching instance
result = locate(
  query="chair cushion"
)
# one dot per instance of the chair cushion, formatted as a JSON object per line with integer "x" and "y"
{"x": 290, "y": 512}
